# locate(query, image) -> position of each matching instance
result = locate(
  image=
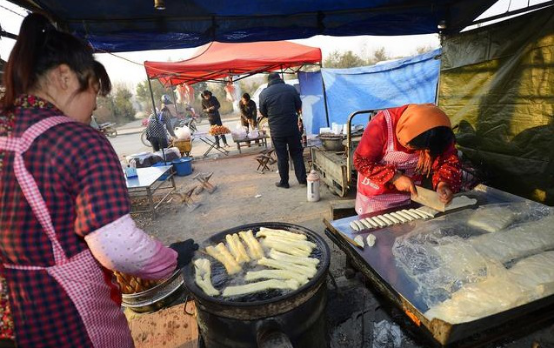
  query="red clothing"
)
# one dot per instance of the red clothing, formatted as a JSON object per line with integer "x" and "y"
{"x": 371, "y": 150}
{"x": 80, "y": 178}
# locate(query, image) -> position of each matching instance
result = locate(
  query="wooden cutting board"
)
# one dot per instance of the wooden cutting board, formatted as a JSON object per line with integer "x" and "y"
{"x": 429, "y": 199}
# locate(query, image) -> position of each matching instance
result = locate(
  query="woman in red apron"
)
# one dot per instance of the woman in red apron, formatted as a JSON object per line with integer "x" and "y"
{"x": 64, "y": 206}
{"x": 400, "y": 147}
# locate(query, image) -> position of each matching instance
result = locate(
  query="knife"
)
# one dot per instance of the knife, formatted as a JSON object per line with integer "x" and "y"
{"x": 428, "y": 198}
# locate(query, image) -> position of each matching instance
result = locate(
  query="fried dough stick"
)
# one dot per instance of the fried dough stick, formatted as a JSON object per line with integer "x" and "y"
{"x": 237, "y": 249}
{"x": 203, "y": 274}
{"x": 265, "y": 232}
{"x": 254, "y": 247}
{"x": 260, "y": 286}
{"x": 308, "y": 271}
{"x": 276, "y": 274}
{"x": 287, "y": 247}
{"x": 299, "y": 260}
{"x": 221, "y": 254}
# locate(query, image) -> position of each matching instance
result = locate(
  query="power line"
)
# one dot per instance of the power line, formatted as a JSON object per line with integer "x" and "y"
{"x": 12, "y": 11}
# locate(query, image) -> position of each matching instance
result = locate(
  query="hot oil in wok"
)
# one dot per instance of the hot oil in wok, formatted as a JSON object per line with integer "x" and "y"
{"x": 221, "y": 280}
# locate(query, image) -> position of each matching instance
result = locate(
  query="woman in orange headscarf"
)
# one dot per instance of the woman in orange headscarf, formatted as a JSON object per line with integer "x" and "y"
{"x": 400, "y": 147}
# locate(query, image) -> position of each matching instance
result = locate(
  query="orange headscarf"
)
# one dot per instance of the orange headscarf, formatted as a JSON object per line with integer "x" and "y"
{"x": 417, "y": 119}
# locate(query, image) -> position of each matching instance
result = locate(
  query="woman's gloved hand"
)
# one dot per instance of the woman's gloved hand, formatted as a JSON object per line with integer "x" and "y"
{"x": 185, "y": 251}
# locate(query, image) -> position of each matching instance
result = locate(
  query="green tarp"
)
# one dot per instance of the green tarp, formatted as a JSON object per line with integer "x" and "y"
{"x": 497, "y": 85}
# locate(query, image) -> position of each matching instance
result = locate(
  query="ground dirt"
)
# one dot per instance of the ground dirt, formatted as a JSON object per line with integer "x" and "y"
{"x": 245, "y": 196}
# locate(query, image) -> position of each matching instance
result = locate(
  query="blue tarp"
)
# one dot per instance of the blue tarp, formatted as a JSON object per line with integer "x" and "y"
{"x": 409, "y": 80}
{"x": 130, "y": 25}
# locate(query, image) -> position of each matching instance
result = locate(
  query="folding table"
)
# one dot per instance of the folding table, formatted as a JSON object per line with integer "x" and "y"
{"x": 206, "y": 138}
{"x": 148, "y": 181}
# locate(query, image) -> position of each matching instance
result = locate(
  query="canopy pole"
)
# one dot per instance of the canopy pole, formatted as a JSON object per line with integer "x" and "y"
{"x": 324, "y": 97}
{"x": 151, "y": 95}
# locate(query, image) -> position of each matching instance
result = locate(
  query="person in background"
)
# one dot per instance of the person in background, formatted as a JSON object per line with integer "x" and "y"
{"x": 399, "y": 148}
{"x": 160, "y": 124}
{"x": 281, "y": 104}
{"x": 64, "y": 206}
{"x": 211, "y": 106}
{"x": 248, "y": 113}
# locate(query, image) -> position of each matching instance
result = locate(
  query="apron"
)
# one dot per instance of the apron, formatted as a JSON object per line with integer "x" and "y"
{"x": 80, "y": 276}
{"x": 372, "y": 197}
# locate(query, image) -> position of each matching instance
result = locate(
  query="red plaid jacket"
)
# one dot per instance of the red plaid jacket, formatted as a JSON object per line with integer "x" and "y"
{"x": 80, "y": 178}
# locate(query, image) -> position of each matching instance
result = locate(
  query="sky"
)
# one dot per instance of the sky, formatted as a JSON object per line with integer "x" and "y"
{"x": 126, "y": 68}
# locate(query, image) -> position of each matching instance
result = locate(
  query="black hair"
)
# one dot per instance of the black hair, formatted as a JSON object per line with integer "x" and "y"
{"x": 246, "y": 96}
{"x": 436, "y": 140}
{"x": 104, "y": 83}
{"x": 206, "y": 92}
{"x": 41, "y": 47}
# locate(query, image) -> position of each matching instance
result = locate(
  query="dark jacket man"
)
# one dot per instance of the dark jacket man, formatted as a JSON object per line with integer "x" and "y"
{"x": 280, "y": 103}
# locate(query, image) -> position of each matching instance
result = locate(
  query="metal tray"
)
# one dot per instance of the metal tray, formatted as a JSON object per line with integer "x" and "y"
{"x": 379, "y": 266}
{"x": 156, "y": 297}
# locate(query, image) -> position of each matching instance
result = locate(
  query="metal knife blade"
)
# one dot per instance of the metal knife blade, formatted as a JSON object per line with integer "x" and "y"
{"x": 428, "y": 198}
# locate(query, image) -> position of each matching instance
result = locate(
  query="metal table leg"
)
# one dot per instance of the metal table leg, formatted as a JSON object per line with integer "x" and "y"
{"x": 151, "y": 201}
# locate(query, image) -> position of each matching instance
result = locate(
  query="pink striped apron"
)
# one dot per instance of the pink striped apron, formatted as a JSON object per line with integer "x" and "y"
{"x": 371, "y": 197}
{"x": 80, "y": 276}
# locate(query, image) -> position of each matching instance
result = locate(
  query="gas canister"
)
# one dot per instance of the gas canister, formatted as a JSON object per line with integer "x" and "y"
{"x": 313, "y": 186}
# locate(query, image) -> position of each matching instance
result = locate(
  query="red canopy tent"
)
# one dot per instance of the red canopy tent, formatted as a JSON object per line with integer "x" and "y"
{"x": 218, "y": 61}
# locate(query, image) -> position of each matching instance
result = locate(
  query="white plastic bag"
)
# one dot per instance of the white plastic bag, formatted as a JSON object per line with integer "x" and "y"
{"x": 182, "y": 133}
{"x": 239, "y": 132}
{"x": 254, "y": 133}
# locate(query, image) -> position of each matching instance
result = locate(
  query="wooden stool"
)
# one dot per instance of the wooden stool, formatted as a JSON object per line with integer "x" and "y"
{"x": 186, "y": 197}
{"x": 264, "y": 160}
{"x": 203, "y": 179}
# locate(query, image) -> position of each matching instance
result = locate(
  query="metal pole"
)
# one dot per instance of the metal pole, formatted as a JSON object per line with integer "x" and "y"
{"x": 325, "y": 100}
{"x": 151, "y": 94}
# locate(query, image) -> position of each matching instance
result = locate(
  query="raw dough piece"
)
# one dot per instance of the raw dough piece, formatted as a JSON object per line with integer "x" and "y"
{"x": 392, "y": 218}
{"x": 372, "y": 222}
{"x": 236, "y": 248}
{"x": 420, "y": 214}
{"x": 428, "y": 211}
{"x": 202, "y": 276}
{"x": 231, "y": 266}
{"x": 405, "y": 215}
{"x": 306, "y": 261}
{"x": 460, "y": 201}
{"x": 254, "y": 247}
{"x": 360, "y": 240}
{"x": 354, "y": 226}
{"x": 359, "y": 224}
{"x": 385, "y": 220}
{"x": 308, "y": 271}
{"x": 371, "y": 239}
{"x": 276, "y": 274}
{"x": 260, "y": 286}
{"x": 399, "y": 217}
{"x": 413, "y": 215}
{"x": 366, "y": 224}
{"x": 264, "y": 232}
{"x": 381, "y": 222}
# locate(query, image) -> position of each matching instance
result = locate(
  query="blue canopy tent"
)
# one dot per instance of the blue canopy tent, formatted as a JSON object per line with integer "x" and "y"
{"x": 129, "y": 25}
{"x": 385, "y": 85}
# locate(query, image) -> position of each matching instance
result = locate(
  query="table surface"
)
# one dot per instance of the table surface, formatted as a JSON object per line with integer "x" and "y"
{"x": 146, "y": 176}
{"x": 247, "y": 138}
